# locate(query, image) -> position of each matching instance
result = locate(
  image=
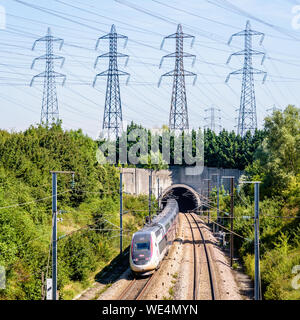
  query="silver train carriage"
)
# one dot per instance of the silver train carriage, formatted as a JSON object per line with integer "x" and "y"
{"x": 151, "y": 244}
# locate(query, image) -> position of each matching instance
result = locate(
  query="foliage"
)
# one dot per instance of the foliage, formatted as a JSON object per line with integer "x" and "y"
{"x": 277, "y": 161}
{"x": 91, "y": 208}
{"x": 89, "y": 230}
{"x": 226, "y": 149}
{"x": 277, "y": 165}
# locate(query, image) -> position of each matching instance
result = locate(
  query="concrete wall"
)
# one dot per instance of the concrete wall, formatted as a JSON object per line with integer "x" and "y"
{"x": 136, "y": 181}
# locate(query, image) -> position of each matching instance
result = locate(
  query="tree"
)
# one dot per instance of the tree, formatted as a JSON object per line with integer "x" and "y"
{"x": 277, "y": 159}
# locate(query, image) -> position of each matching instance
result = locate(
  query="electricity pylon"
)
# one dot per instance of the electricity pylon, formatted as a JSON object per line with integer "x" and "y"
{"x": 112, "y": 119}
{"x": 214, "y": 119}
{"x": 49, "y": 113}
{"x": 247, "y": 113}
{"x": 273, "y": 109}
{"x": 178, "y": 119}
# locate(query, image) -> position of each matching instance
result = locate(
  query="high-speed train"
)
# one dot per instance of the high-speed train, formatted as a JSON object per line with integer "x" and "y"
{"x": 151, "y": 244}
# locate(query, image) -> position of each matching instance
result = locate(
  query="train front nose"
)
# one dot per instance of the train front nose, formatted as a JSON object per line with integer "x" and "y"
{"x": 141, "y": 251}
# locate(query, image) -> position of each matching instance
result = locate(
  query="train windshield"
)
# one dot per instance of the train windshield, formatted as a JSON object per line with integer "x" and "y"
{"x": 142, "y": 246}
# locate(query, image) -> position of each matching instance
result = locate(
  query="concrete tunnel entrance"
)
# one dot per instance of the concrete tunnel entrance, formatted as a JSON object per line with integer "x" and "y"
{"x": 187, "y": 198}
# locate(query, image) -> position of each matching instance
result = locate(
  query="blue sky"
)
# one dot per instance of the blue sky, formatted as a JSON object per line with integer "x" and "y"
{"x": 82, "y": 106}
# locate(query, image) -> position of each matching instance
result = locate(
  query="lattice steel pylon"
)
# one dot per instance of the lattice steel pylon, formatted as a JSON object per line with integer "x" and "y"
{"x": 247, "y": 113}
{"x": 214, "y": 119}
{"x": 49, "y": 113}
{"x": 178, "y": 119}
{"x": 273, "y": 109}
{"x": 112, "y": 119}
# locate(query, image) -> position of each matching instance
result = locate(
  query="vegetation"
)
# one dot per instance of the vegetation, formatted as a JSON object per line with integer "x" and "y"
{"x": 90, "y": 220}
{"x": 223, "y": 150}
{"x": 88, "y": 233}
{"x": 277, "y": 165}
{"x": 228, "y": 150}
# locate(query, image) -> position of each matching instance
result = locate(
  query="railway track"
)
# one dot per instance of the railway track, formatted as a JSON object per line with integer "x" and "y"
{"x": 136, "y": 288}
{"x": 203, "y": 273}
{"x": 195, "y": 283}
{"x": 197, "y": 269}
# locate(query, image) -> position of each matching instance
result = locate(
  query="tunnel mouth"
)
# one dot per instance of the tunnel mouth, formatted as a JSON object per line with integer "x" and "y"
{"x": 186, "y": 199}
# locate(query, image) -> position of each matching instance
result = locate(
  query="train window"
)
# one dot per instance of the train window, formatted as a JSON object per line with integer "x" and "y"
{"x": 162, "y": 244}
{"x": 142, "y": 246}
{"x": 157, "y": 233}
{"x": 167, "y": 226}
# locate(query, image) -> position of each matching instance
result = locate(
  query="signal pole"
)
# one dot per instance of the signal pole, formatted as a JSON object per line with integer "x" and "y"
{"x": 150, "y": 194}
{"x": 178, "y": 119}
{"x": 208, "y": 187}
{"x": 231, "y": 217}
{"x": 257, "y": 287}
{"x": 43, "y": 285}
{"x": 231, "y": 222}
{"x": 121, "y": 212}
{"x": 256, "y": 243}
{"x": 158, "y": 195}
{"x": 247, "y": 112}
{"x": 218, "y": 200}
{"x": 54, "y": 236}
{"x": 49, "y": 113}
{"x": 54, "y": 229}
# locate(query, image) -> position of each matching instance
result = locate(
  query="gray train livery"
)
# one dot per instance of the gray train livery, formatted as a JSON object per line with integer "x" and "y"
{"x": 151, "y": 244}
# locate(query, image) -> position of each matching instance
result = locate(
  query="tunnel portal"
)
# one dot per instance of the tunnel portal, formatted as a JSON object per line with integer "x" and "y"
{"x": 187, "y": 198}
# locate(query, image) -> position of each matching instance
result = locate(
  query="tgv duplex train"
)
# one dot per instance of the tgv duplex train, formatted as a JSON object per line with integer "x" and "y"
{"x": 151, "y": 244}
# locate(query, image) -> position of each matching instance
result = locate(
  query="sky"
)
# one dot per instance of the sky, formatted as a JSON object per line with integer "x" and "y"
{"x": 146, "y": 22}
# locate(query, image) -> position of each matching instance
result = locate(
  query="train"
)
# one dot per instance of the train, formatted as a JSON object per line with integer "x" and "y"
{"x": 151, "y": 244}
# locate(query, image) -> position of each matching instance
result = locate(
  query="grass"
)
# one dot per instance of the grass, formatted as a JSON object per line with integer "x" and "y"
{"x": 131, "y": 221}
{"x": 98, "y": 294}
{"x": 235, "y": 266}
{"x": 171, "y": 291}
{"x": 74, "y": 288}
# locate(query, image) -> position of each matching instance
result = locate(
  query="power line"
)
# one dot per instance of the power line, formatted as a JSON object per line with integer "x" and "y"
{"x": 235, "y": 9}
{"x": 33, "y": 201}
